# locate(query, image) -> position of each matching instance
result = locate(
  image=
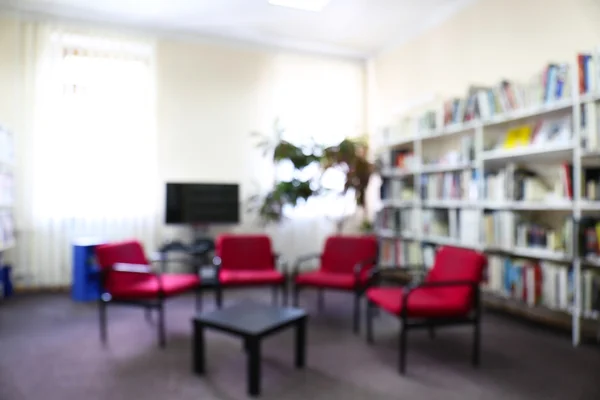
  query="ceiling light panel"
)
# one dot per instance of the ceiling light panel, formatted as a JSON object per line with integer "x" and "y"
{"x": 305, "y": 5}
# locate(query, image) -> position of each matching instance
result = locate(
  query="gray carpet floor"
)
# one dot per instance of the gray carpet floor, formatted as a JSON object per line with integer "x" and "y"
{"x": 49, "y": 349}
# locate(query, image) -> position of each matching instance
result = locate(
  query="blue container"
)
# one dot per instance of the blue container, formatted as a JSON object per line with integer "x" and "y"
{"x": 6, "y": 280}
{"x": 85, "y": 285}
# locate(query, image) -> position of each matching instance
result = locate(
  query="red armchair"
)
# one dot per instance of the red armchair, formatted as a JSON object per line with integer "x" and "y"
{"x": 449, "y": 295}
{"x": 246, "y": 261}
{"x": 127, "y": 279}
{"x": 344, "y": 265}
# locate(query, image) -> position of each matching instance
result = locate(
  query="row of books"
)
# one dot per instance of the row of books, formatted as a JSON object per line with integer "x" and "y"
{"x": 530, "y": 183}
{"x": 454, "y": 224}
{"x": 7, "y": 229}
{"x": 542, "y": 283}
{"x": 7, "y": 155}
{"x": 400, "y": 252}
{"x": 590, "y": 237}
{"x": 460, "y": 185}
{"x": 544, "y": 132}
{"x": 400, "y": 220}
{"x": 7, "y": 190}
{"x": 506, "y": 229}
{"x": 396, "y": 189}
{"x": 552, "y": 84}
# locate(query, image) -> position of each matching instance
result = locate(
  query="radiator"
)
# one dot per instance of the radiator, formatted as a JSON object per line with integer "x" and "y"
{"x": 43, "y": 256}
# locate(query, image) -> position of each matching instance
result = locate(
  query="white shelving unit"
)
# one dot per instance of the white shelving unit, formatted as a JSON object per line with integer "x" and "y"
{"x": 7, "y": 192}
{"x": 484, "y": 161}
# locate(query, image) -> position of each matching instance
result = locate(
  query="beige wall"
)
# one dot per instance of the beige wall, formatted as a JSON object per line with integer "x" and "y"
{"x": 491, "y": 40}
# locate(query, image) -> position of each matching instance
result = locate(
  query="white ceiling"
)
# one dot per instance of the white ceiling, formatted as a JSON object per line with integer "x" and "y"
{"x": 354, "y": 28}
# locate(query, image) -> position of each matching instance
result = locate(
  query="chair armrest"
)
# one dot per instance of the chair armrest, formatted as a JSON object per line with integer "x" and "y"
{"x": 361, "y": 265}
{"x": 378, "y": 274}
{"x": 303, "y": 259}
{"x": 133, "y": 268}
{"x": 438, "y": 284}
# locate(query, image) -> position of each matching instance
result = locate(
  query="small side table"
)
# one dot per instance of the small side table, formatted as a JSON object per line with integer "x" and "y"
{"x": 252, "y": 322}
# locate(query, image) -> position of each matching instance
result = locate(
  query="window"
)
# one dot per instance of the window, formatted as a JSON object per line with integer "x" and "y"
{"x": 95, "y": 134}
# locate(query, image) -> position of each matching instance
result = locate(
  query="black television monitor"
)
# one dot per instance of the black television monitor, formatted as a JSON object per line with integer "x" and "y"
{"x": 202, "y": 203}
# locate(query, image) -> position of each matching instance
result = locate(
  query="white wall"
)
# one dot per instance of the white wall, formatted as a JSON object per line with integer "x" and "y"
{"x": 210, "y": 98}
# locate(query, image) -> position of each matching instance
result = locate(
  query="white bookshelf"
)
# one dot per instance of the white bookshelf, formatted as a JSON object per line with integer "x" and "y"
{"x": 7, "y": 191}
{"x": 422, "y": 143}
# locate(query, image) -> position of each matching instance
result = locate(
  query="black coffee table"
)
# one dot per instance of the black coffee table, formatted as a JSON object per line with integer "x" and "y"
{"x": 252, "y": 322}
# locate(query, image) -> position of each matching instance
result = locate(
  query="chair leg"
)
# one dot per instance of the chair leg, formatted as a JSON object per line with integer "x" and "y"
{"x": 321, "y": 300}
{"x": 402, "y": 349}
{"x": 162, "y": 341}
{"x": 284, "y": 293}
{"x": 102, "y": 320}
{"x": 219, "y": 296}
{"x": 476, "y": 343}
{"x": 296, "y": 295}
{"x": 356, "y": 317}
{"x": 370, "y": 315}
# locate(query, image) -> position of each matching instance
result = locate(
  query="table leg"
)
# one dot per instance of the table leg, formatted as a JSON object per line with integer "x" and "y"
{"x": 300, "y": 343}
{"x": 198, "y": 349}
{"x": 253, "y": 350}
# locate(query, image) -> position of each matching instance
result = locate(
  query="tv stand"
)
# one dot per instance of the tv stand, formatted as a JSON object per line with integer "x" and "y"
{"x": 201, "y": 243}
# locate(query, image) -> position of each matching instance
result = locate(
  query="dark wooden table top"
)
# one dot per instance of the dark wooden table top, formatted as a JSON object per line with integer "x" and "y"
{"x": 250, "y": 318}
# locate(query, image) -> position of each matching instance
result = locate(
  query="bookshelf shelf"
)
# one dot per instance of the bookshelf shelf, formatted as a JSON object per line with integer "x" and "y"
{"x": 398, "y": 203}
{"x": 531, "y": 205}
{"x": 525, "y": 189}
{"x": 449, "y": 204}
{"x": 546, "y": 154}
{"x": 531, "y": 112}
{"x": 435, "y": 168}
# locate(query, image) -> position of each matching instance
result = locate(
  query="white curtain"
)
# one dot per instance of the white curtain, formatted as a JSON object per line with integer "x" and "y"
{"x": 89, "y": 156}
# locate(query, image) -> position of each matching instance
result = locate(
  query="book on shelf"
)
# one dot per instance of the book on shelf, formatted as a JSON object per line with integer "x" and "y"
{"x": 403, "y": 159}
{"x": 589, "y": 238}
{"x": 508, "y": 230}
{"x": 544, "y": 133}
{"x": 542, "y": 283}
{"x": 591, "y": 184}
{"x": 400, "y": 253}
{"x": 552, "y": 184}
{"x": 550, "y": 85}
{"x": 459, "y": 185}
{"x": 395, "y": 189}
{"x": 588, "y": 72}
{"x": 398, "y": 220}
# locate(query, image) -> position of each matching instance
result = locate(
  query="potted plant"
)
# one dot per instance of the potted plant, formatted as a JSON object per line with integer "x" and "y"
{"x": 350, "y": 156}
